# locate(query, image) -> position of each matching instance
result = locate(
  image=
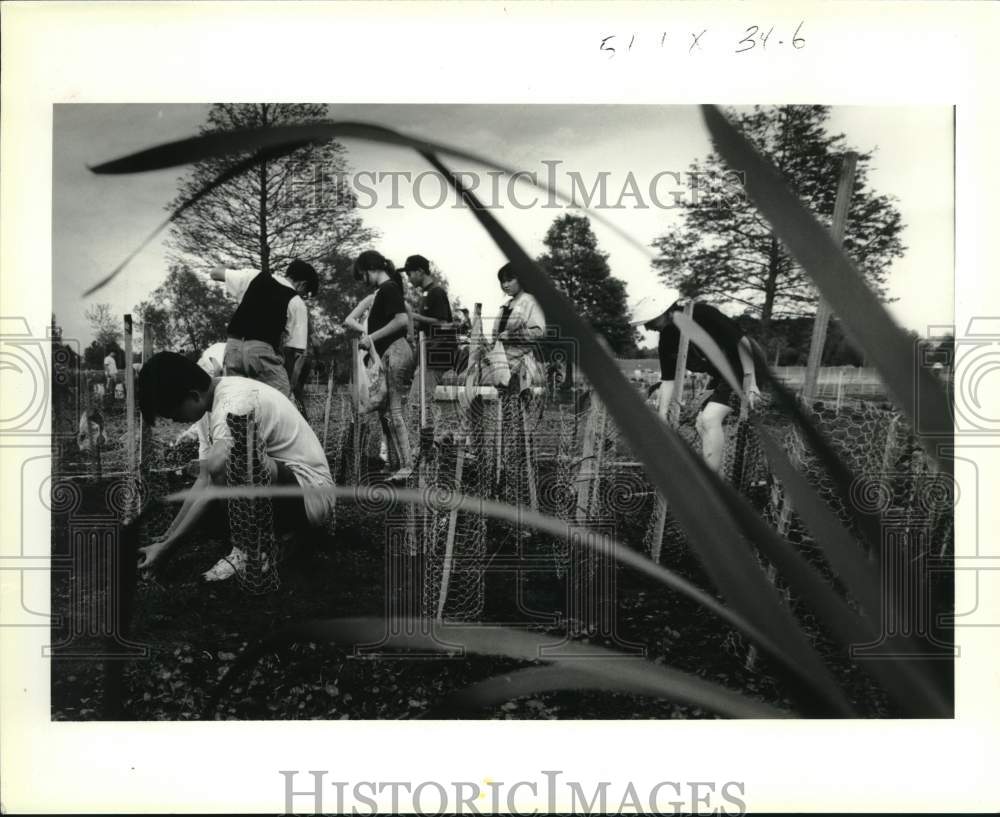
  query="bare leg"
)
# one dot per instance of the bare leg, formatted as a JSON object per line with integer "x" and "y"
{"x": 713, "y": 438}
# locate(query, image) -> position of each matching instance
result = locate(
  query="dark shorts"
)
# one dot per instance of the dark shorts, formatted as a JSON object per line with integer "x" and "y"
{"x": 289, "y": 511}
{"x": 722, "y": 393}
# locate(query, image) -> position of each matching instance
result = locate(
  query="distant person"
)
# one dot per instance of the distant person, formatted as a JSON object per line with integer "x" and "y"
{"x": 110, "y": 372}
{"x": 462, "y": 331}
{"x": 175, "y": 388}
{"x": 386, "y": 332}
{"x": 434, "y": 319}
{"x": 269, "y": 332}
{"x": 656, "y": 313}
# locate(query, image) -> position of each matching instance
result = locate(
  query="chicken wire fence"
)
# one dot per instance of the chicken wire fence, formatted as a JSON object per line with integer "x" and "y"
{"x": 570, "y": 460}
{"x": 563, "y": 458}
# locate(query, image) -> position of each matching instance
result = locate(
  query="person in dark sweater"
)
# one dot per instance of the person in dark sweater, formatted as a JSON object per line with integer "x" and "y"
{"x": 269, "y": 332}
{"x": 386, "y": 333}
{"x": 656, "y": 313}
{"x": 435, "y": 320}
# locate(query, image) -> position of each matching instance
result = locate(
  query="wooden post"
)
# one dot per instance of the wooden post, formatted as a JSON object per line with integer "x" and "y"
{"x": 147, "y": 340}
{"x": 680, "y": 372}
{"x": 498, "y": 439}
{"x": 422, "y": 464}
{"x": 588, "y": 455}
{"x": 326, "y": 410}
{"x": 422, "y": 376}
{"x": 356, "y": 397}
{"x": 129, "y": 398}
{"x": 673, "y": 416}
{"x": 840, "y": 211}
{"x": 528, "y": 467}
{"x": 449, "y": 544}
{"x": 250, "y": 446}
{"x": 840, "y": 388}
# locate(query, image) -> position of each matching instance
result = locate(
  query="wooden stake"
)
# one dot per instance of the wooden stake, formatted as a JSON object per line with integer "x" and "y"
{"x": 147, "y": 340}
{"x": 250, "y": 446}
{"x": 673, "y": 417}
{"x": 326, "y": 410}
{"x": 498, "y": 452}
{"x": 680, "y": 372}
{"x": 528, "y": 467}
{"x": 840, "y": 210}
{"x": 356, "y": 399}
{"x": 129, "y": 397}
{"x": 422, "y": 358}
{"x": 585, "y": 476}
{"x": 449, "y": 544}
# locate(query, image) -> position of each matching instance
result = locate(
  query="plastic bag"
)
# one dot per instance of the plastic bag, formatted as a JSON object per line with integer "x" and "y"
{"x": 533, "y": 375}
{"x": 372, "y": 390}
{"x": 495, "y": 367}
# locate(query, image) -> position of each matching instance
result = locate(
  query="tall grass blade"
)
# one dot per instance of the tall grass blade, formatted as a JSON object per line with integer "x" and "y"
{"x": 598, "y": 543}
{"x": 600, "y": 666}
{"x": 684, "y": 688}
{"x": 909, "y": 684}
{"x": 280, "y": 141}
{"x": 227, "y": 175}
{"x": 693, "y": 491}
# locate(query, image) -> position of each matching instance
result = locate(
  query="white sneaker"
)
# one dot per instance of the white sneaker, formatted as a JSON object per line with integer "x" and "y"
{"x": 226, "y": 568}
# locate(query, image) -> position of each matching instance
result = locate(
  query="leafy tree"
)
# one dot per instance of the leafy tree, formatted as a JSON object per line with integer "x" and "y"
{"x": 943, "y": 351}
{"x": 725, "y": 251}
{"x": 297, "y": 206}
{"x": 106, "y": 326}
{"x": 578, "y": 267}
{"x": 338, "y": 294}
{"x": 186, "y": 312}
{"x": 93, "y": 355}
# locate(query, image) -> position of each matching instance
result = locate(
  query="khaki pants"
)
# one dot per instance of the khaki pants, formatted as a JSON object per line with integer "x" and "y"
{"x": 258, "y": 361}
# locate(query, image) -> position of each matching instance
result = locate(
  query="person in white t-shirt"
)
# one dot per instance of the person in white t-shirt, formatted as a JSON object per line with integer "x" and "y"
{"x": 213, "y": 358}
{"x": 173, "y": 387}
{"x": 110, "y": 372}
{"x": 211, "y": 361}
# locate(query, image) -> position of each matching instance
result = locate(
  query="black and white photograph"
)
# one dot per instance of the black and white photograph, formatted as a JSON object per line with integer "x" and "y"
{"x": 698, "y": 498}
{"x": 490, "y": 408}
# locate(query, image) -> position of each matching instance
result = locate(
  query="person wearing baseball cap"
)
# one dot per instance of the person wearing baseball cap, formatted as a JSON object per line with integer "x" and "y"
{"x": 655, "y": 312}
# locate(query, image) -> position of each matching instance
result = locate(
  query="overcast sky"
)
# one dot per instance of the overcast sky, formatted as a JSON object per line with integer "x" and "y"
{"x": 98, "y": 220}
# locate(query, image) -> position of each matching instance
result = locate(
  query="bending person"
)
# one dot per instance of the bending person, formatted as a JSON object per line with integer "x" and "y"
{"x": 656, "y": 314}
{"x": 268, "y": 333}
{"x": 173, "y": 387}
